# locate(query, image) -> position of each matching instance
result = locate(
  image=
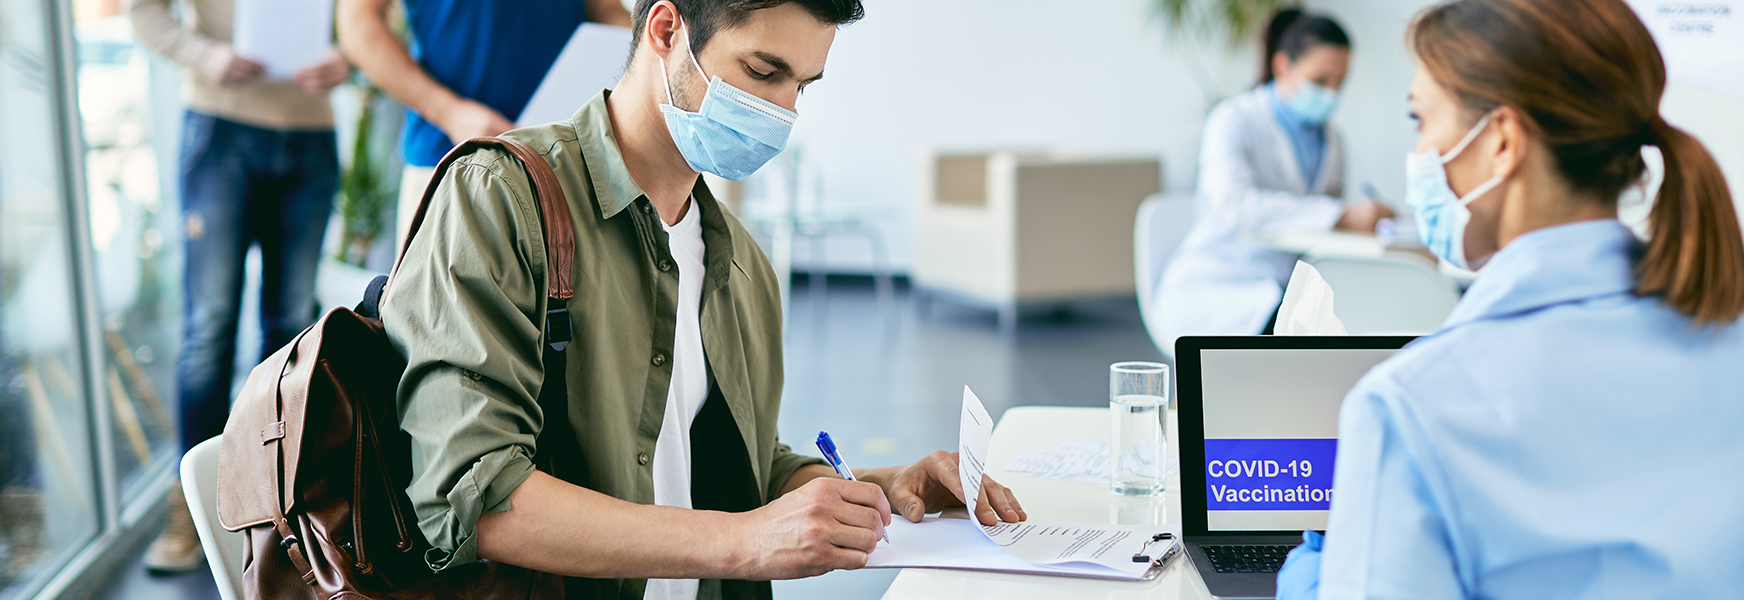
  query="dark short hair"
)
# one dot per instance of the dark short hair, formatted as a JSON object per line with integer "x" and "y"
{"x": 1294, "y": 32}
{"x": 703, "y": 18}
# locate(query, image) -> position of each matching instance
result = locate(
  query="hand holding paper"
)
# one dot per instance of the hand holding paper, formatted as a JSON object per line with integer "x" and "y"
{"x": 284, "y": 36}
{"x": 1079, "y": 550}
{"x": 940, "y": 480}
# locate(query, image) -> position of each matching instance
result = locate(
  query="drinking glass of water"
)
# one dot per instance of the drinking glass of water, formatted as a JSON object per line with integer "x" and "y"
{"x": 1137, "y": 393}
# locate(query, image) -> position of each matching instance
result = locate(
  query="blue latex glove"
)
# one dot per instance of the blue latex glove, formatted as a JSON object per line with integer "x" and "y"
{"x": 1299, "y": 579}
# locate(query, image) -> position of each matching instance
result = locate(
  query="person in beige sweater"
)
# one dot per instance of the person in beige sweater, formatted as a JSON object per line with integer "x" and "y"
{"x": 259, "y": 165}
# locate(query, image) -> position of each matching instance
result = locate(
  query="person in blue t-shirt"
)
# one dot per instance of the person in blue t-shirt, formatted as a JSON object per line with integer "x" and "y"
{"x": 472, "y": 67}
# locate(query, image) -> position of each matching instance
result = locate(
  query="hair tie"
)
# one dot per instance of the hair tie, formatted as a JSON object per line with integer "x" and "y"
{"x": 1657, "y": 132}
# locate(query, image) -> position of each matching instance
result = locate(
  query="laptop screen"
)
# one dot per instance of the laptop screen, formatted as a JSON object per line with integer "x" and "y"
{"x": 1268, "y": 419}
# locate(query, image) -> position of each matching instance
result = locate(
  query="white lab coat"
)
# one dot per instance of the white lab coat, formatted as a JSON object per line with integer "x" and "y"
{"x": 1223, "y": 280}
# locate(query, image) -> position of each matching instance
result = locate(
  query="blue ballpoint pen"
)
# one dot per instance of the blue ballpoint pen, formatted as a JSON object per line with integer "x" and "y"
{"x": 828, "y": 447}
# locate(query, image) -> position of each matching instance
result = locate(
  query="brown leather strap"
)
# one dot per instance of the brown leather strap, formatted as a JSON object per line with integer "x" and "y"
{"x": 293, "y": 547}
{"x": 553, "y": 210}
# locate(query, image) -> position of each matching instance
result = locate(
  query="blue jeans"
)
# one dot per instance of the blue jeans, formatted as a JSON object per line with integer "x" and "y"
{"x": 244, "y": 185}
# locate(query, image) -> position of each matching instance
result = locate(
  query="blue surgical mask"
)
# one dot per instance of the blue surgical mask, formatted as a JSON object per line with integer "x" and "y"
{"x": 1442, "y": 215}
{"x": 732, "y": 134}
{"x": 1312, "y": 103}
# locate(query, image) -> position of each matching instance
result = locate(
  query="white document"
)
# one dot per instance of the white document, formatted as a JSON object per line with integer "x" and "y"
{"x": 974, "y": 432}
{"x": 593, "y": 60}
{"x": 1307, "y": 306}
{"x": 1076, "y": 459}
{"x": 1702, "y": 42}
{"x": 283, "y": 35}
{"x": 1080, "y": 460}
{"x": 1073, "y": 550}
{"x": 1078, "y": 550}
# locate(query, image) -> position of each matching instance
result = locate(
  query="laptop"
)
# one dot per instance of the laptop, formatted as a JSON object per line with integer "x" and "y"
{"x": 1258, "y": 435}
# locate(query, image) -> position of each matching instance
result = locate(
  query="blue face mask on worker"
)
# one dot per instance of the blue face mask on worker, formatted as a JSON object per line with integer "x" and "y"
{"x": 732, "y": 134}
{"x": 1312, "y": 103}
{"x": 1442, "y": 215}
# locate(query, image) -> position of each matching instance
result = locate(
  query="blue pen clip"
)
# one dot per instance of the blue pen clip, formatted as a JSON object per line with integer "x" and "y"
{"x": 828, "y": 447}
{"x": 832, "y": 456}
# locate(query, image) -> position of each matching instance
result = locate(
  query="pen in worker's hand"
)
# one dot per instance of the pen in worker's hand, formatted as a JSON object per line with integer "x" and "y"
{"x": 828, "y": 447}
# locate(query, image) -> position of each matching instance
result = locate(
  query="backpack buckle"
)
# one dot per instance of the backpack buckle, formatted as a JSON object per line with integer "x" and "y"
{"x": 557, "y": 329}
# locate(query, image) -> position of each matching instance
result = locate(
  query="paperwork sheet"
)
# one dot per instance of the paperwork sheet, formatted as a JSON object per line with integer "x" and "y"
{"x": 593, "y": 60}
{"x": 283, "y": 35}
{"x": 1077, "y": 459}
{"x": 1077, "y": 550}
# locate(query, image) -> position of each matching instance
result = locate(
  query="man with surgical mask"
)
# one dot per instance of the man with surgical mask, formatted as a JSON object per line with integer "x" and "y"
{"x": 680, "y": 488}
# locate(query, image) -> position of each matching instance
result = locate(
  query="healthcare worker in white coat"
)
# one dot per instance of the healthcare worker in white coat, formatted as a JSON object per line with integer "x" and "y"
{"x": 1269, "y": 164}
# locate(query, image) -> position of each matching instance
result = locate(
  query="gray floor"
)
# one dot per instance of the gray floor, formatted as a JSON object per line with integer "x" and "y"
{"x": 885, "y": 379}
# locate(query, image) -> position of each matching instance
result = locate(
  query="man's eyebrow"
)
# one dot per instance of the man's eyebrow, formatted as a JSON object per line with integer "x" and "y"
{"x": 781, "y": 65}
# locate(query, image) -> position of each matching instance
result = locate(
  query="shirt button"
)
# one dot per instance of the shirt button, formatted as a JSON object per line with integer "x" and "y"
{"x": 659, "y": 359}
{"x": 642, "y": 459}
{"x": 665, "y": 265}
{"x": 647, "y": 209}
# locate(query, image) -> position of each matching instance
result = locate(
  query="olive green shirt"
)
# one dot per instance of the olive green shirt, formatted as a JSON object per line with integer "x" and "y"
{"x": 467, "y": 309}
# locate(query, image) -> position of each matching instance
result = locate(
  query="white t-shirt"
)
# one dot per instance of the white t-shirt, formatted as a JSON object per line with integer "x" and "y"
{"x": 688, "y": 391}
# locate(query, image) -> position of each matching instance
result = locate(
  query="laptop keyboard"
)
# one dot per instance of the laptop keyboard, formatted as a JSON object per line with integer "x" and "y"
{"x": 1246, "y": 558}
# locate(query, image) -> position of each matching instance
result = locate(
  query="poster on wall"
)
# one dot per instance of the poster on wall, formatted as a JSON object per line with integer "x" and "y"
{"x": 1702, "y": 40}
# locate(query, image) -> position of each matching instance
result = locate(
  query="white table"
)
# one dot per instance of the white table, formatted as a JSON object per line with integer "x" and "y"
{"x": 1346, "y": 244}
{"x": 1334, "y": 243}
{"x": 1042, "y": 428}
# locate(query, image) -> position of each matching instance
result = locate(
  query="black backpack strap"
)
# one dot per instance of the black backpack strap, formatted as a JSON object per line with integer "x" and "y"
{"x": 370, "y": 307}
{"x": 558, "y": 452}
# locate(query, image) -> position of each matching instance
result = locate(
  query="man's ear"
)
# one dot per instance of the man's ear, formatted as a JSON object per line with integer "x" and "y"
{"x": 1513, "y": 141}
{"x": 662, "y": 30}
{"x": 1280, "y": 65}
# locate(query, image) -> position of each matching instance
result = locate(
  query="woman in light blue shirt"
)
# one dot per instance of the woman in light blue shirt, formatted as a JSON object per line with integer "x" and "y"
{"x": 1576, "y": 428}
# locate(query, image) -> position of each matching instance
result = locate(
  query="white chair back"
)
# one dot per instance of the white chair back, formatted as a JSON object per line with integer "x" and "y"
{"x": 1163, "y": 221}
{"x": 223, "y": 548}
{"x": 1388, "y": 294}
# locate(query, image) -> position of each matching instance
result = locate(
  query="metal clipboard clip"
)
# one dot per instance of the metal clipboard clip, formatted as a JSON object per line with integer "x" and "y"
{"x": 1162, "y": 562}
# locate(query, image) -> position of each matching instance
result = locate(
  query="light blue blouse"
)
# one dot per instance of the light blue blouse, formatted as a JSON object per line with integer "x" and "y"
{"x": 1559, "y": 437}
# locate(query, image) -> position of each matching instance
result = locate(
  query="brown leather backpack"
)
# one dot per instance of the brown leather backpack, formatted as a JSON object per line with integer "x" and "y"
{"x": 314, "y": 465}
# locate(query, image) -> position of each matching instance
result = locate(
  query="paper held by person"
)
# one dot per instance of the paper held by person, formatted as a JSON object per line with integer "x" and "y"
{"x": 284, "y": 36}
{"x": 1069, "y": 549}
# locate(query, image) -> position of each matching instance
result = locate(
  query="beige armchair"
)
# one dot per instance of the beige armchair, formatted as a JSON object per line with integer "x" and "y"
{"x": 1005, "y": 230}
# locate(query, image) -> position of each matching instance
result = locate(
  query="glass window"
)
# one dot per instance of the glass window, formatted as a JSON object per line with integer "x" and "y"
{"x": 136, "y": 262}
{"x": 48, "y": 501}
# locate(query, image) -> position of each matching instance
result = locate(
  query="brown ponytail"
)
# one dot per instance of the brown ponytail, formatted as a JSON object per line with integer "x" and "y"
{"x": 1587, "y": 77}
{"x": 1695, "y": 256}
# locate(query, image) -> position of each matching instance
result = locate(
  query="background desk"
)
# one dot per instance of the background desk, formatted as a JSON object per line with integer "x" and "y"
{"x": 1042, "y": 428}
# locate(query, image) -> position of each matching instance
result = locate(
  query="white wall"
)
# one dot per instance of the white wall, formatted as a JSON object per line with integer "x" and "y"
{"x": 1095, "y": 76}
{"x": 1717, "y": 120}
{"x": 1080, "y": 76}
{"x": 1378, "y": 132}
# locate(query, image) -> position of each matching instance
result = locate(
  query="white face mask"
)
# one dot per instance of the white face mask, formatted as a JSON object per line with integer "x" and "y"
{"x": 1442, "y": 215}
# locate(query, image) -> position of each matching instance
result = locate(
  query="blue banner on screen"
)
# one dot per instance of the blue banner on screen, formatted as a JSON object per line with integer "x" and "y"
{"x": 1269, "y": 474}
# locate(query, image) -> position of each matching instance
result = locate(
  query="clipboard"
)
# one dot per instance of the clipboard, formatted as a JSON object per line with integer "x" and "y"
{"x": 1176, "y": 549}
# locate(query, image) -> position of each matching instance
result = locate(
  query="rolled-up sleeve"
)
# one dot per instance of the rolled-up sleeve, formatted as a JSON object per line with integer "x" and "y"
{"x": 465, "y": 310}
{"x": 782, "y": 466}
